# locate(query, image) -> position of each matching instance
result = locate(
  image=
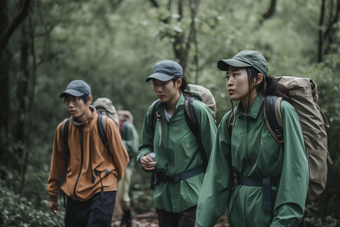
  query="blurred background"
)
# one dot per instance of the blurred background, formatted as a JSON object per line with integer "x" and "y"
{"x": 113, "y": 46}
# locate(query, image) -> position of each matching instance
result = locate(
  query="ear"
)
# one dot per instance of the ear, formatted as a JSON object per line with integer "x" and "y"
{"x": 259, "y": 79}
{"x": 178, "y": 82}
{"x": 89, "y": 100}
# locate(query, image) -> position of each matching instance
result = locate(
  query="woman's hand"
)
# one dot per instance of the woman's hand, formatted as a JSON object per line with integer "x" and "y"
{"x": 148, "y": 163}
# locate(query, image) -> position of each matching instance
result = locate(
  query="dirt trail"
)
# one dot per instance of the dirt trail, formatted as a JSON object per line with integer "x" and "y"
{"x": 150, "y": 219}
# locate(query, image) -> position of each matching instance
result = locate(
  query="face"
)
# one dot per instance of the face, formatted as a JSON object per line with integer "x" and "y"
{"x": 237, "y": 83}
{"x": 166, "y": 90}
{"x": 76, "y": 106}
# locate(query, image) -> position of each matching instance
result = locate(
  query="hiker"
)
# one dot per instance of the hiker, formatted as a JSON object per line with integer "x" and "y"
{"x": 92, "y": 169}
{"x": 178, "y": 164}
{"x": 248, "y": 168}
{"x": 131, "y": 141}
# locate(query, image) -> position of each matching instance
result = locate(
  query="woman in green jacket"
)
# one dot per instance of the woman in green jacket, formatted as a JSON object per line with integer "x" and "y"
{"x": 262, "y": 168}
{"x": 178, "y": 163}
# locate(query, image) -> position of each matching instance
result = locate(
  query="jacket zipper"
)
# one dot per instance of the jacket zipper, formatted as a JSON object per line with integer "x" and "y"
{"x": 245, "y": 205}
{"x": 81, "y": 164}
{"x": 247, "y": 140}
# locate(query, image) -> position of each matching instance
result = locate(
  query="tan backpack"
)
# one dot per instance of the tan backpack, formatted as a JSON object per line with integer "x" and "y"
{"x": 105, "y": 107}
{"x": 303, "y": 92}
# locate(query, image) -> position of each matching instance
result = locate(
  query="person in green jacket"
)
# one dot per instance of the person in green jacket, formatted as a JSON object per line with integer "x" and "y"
{"x": 175, "y": 147}
{"x": 131, "y": 141}
{"x": 262, "y": 167}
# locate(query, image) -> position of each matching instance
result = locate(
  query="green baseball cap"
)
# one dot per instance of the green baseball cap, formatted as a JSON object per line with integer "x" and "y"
{"x": 245, "y": 58}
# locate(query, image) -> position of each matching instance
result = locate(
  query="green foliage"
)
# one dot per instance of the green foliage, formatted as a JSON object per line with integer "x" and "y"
{"x": 19, "y": 211}
{"x": 140, "y": 192}
{"x": 113, "y": 45}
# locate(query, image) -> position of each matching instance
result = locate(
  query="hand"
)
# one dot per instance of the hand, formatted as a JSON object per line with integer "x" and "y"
{"x": 148, "y": 163}
{"x": 54, "y": 207}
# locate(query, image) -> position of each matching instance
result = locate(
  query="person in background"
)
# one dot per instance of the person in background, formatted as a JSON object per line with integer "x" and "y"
{"x": 131, "y": 141}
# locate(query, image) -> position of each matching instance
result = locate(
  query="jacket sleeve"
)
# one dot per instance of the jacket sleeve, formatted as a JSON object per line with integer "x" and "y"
{"x": 207, "y": 126}
{"x": 292, "y": 193}
{"x": 217, "y": 185}
{"x": 57, "y": 165}
{"x": 132, "y": 140}
{"x": 117, "y": 149}
{"x": 147, "y": 135}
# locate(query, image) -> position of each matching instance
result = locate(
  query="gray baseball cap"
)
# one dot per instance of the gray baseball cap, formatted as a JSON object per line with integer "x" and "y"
{"x": 166, "y": 70}
{"x": 245, "y": 58}
{"x": 76, "y": 88}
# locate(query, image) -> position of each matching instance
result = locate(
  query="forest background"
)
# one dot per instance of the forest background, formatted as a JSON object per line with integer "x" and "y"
{"x": 114, "y": 44}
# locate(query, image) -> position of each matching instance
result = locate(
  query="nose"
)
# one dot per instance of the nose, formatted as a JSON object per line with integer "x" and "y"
{"x": 159, "y": 88}
{"x": 230, "y": 81}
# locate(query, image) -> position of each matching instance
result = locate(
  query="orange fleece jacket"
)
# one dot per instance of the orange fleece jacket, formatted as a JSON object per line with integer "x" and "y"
{"x": 78, "y": 185}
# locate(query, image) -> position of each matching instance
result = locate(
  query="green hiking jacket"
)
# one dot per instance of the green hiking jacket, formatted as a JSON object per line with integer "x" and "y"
{"x": 253, "y": 153}
{"x": 177, "y": 152}
{"x": 131, "y": 143}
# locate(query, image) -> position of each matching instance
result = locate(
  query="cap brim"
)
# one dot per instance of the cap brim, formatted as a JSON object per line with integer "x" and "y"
{"x": 224, "y": 64}
{"x": 159, "y": 76}
{"x": 71, "y": 92}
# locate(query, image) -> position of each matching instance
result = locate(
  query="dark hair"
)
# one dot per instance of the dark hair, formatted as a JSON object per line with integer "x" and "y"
{"x": 183, "y": 86}
{"x": 84, "y": 98}
{"x": 273, "y": 87}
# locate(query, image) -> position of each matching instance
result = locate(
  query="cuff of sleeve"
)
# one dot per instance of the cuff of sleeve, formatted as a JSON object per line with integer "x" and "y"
{"x": 53, "y": 198}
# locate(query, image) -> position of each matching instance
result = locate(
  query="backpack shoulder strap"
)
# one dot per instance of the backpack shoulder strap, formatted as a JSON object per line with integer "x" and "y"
{"x": 231, "y": 119}
{"x": 101, "y": 122}
{"x": 190, "y": 117}
{"x": 64, "y": 135}
{"x": 64, "y": 131}
{"x": 154, "y": 115}
{"x": 273, "y": 118}
{"x": 123, "y": 129}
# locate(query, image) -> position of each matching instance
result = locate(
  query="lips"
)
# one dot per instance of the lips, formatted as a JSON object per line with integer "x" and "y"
{"x": 230, "y": 91}
{"x": 72, "y": 111}
{"x": 160, "y": 96}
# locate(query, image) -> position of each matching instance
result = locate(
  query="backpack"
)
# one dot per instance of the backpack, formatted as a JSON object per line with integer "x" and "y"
{"x": 195, "y": 92}
{"x": 303, "y": 92}
{"x": 105, "y": 109}
{"x": 125, "y": 117}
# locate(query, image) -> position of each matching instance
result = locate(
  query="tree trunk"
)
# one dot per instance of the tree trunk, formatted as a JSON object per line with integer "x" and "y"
{"x": 29, "y": 113}
{"x": 22, "y": 84}
{"x": 320, "y": 49}
{"x": 7, "y": 33}
{"x": 4, "y": 89}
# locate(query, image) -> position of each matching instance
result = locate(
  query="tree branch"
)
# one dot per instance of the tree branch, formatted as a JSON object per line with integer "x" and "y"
{"x": 156, "y": 5}
{"x": 191, "y": 32}
{"x": 25, "y": 10}
{"x": 270, "y": 10}
{"x": 332, "y": 22}
{"x": 320, "y": 31}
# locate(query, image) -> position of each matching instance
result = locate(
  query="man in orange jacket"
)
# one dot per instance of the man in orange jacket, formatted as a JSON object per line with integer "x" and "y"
{"x": 92, "y": 169}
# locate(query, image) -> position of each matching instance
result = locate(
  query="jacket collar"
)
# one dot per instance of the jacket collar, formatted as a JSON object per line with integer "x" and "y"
{"x": 180, "y": 102}
{"x": 92, "y": 120}
{"x": 255, "y": 109}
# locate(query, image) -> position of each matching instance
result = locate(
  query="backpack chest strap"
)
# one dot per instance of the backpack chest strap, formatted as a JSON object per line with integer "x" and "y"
{"x": 162, "y": 178}
{"x": 269, "y": 196}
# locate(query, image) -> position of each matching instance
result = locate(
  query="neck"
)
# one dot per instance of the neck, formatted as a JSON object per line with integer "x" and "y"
{"x": 170, "y": 105}
{"x": 247, "y": 103}
{"x": 85, "y": 116}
